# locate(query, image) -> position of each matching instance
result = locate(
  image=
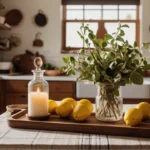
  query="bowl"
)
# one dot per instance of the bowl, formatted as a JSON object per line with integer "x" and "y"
{"x": 2, "y": 20}
{"x": 5, "y": 65}
{"x": 56, "y": 72}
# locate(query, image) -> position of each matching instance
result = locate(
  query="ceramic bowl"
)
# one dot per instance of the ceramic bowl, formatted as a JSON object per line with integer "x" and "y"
{"x": 5, "y": 65}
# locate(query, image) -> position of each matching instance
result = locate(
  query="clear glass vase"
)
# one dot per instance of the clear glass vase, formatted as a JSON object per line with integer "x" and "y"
{"x": 109, "y": 103}
{"x": 38, "y": 92}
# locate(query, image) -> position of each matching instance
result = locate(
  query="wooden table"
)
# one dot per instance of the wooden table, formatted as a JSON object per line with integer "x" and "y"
{"x": 24, "y": 139}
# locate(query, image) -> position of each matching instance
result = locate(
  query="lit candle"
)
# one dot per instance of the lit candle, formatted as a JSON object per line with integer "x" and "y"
{"x": 38, "y": 104}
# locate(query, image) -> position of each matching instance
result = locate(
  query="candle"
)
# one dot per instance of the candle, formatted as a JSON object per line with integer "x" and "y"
{"x": 37, "y": 104}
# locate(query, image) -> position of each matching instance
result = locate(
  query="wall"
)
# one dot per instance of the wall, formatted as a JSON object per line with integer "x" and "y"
{"x": 51, "y": 33}
{"x": 145, "y": 24}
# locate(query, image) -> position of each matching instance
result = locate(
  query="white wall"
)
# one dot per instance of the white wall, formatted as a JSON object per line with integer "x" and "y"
{"x": 51, "y": 33}
{"x": 145, "y": 24}
{"x": 145, "y": 20}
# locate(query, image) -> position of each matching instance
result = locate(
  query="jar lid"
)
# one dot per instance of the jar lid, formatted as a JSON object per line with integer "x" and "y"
{"x": 38, "y": 64}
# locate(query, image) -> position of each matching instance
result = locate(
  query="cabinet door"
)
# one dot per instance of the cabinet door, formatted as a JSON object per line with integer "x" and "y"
{"x": 16, "y": 98}
{"x": 2, "y": 96}
{"x": 136, "y": 91}
{"x": 1, "y": 99}
{"x": 60, "y": 96}
{"x": 17, "y": 86}
{"x": 128, "y": 92}
{"x": 62, "y": 86}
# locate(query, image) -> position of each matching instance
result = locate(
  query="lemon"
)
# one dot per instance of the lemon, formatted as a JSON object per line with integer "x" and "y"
{"x": 70, "y": 100}
{"x": 52, "y": 106}
{"x": 145, "y": 108}
{"x": 87, "y": 103}
{"x": 65, "y": 109}
{"x": 133, "y": 116}
{"x": 81, "y": 112}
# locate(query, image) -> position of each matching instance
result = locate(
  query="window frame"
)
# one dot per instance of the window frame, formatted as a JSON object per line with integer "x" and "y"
{"x": 64, "y": 49}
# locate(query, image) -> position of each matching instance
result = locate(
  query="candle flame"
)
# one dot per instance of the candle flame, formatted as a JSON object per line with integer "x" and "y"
{"x": 38, "y": 90}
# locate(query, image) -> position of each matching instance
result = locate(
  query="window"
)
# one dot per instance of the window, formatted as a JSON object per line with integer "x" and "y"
{"x": 101, "y": 19}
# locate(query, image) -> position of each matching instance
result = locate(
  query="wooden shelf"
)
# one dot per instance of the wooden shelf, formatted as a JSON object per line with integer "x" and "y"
{"x": 3, "y": 27}
{"x": 2, "y": 48}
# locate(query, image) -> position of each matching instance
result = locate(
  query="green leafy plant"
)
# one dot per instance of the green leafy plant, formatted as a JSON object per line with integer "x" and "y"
{"x": 49, "y": 67}
{"x": 112, "y": 63}
{"x": 113, "y": 60}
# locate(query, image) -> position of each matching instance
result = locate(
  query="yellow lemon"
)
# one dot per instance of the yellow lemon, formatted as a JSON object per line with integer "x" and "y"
{"x": 81, "y": 112}
{"x": 87, "y": 103}
{"x": 52, "y": 106}
{"x": 65, "y": 109}
{"x": 70, "y": 100}
{"x": 145, "y": 108}
{"x": 133, "y": 116}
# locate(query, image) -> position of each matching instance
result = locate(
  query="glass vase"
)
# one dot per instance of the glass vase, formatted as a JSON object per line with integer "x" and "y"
{"x": 109, "y": 103}
{"x": 38, "y": 93}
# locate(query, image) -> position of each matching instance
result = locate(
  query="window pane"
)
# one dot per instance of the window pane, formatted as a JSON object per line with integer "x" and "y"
{"x": 127, "y": 7}
{"x": 130, "y": 33}
{"x": 127, "y": 14}
{"x": 74, "y": 6}
{"x": 110, "y": 7}
{"x": 92, "y": 6}
{"x": 94, "y": 28}
{"x": 92, "y": 14}
{"x": 74, "y": 14}
{"x": 72, "y": 37}
{"x": 110, "y": 14}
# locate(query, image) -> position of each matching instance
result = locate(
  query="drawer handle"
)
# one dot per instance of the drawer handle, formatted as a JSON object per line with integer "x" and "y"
{"x": 23, "y": 96}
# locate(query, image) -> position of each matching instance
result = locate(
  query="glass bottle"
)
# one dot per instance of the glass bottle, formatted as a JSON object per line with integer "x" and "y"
{"x": 38, "y": 92}
{"x": 109, "y": 103}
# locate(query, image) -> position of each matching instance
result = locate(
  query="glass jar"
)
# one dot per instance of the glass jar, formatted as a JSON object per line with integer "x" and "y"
{"x": 38, "y": 92}
{"x": 109, "y": 103}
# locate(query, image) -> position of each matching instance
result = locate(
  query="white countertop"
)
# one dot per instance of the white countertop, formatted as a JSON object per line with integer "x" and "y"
{"x": 29, "y": 77}
{"x": 53, "y": 78}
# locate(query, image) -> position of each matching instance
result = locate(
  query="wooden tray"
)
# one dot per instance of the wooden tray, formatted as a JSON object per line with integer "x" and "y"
{"x": 92, "y": 125}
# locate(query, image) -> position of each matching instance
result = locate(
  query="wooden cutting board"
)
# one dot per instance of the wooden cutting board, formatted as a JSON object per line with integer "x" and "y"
{"x": 91, "y": 126}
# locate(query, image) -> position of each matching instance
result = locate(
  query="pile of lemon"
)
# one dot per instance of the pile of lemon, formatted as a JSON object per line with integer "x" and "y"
{"x": 69, "y": 107}
{"x": 134, "y": 116}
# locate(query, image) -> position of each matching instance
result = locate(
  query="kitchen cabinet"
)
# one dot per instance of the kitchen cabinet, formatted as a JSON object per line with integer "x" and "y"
{"x": 1, "y": 96}
{"x": 136, "y": 91}
{"x": 16, "y": 98}
{"x": 16, "y": 91}
{"x": 16, "y": 86}
{"x": 130, "y": 93}
{"x": 61, "y": 89}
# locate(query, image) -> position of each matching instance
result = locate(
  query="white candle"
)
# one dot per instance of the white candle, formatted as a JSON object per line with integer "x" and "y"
{"x": 37, "y": 104}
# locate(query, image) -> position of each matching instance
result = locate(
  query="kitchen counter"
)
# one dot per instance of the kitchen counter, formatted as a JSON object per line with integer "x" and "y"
{"x": 81, "y": 90}
{"x": 53, "y": 78}
{"x": 29, "y": 77}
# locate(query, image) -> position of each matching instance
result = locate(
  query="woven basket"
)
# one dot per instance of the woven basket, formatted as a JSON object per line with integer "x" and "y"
{"x": 14, "y": 108}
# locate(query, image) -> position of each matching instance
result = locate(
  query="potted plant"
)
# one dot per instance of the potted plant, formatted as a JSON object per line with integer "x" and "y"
{"x": 112, "y": 63}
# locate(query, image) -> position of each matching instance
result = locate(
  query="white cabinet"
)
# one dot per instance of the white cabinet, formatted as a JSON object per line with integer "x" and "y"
{"x": 129, "y": 91}
{"x": 85, "y": 90}
{"x": 136, "y": 91}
